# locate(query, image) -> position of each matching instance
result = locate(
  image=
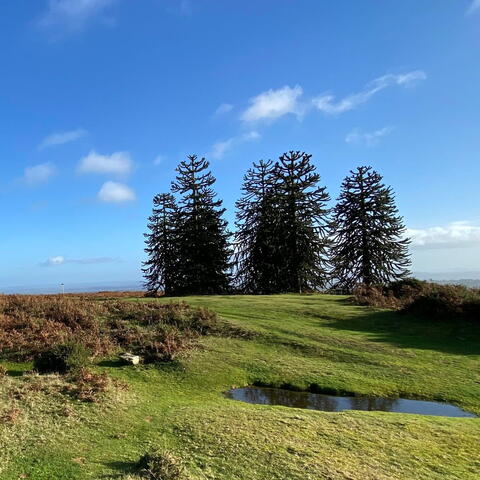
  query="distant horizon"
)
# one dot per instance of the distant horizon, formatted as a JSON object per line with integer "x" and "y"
{"x": 137, "y": 285}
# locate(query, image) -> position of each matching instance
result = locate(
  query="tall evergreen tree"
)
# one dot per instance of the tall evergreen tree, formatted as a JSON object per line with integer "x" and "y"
{"x": 159, "y": 270}
{"x": 202, "y": 239}
{"x": 368, "y": 234}
{"x": 302, "y": 226}
{"x": 256, "y": 253}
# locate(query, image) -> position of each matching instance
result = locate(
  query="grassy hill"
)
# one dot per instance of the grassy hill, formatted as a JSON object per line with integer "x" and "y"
{"x": 294, "y": 340}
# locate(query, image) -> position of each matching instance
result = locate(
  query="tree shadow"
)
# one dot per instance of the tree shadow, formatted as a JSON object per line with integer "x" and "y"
{"x": 406, "y": 331}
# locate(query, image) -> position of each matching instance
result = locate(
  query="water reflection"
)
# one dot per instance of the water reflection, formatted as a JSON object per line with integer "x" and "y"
{"x": 331, "y": 403}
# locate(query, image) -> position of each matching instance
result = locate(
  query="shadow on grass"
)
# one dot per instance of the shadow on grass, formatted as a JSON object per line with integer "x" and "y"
{"x": 405, "y": 331}
{"x": 123, "y": 468}
{"x": 112, "y": 363}
{"x": 15, "y": 373}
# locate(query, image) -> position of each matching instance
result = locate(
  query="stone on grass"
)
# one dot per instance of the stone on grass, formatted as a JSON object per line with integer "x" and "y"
{"x": 130, "y": 358}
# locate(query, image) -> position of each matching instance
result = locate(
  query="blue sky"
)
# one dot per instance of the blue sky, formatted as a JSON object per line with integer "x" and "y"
{"x": 102, "y": 98}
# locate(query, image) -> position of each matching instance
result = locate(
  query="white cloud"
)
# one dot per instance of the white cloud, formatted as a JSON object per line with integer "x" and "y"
{"x": 113, "y": 192}
{"x": 456, "y": 234}
{"x": 159, "y": 159}
{"x": 118, "y": 163}
{"x": 327, "y": 103}
{"x": 219, "y": 149}
{"x": 368, "y": 138}
{"x": 60, "y": 260}
{"x": 54, "y": 261}
{"x": 72, "y": 15}
{"x": 38, "y": 173}
{"x": 273, "y": 104}
{"x": 474, "y": 6}
{"x": 224, "y": 108}
{"x": 62, "y": 137}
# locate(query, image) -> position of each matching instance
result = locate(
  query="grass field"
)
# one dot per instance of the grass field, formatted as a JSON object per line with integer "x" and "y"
{"x": 288, "y": 339}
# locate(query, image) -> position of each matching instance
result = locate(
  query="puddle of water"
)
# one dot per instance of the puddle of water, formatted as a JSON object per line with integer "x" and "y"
{"x": 331, "y": 403}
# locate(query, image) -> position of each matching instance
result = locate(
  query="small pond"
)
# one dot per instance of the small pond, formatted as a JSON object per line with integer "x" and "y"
{"x": 331, "y": 403}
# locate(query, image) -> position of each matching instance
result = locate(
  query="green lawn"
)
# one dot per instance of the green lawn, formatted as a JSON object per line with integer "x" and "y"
{"x": 289, "y": 339}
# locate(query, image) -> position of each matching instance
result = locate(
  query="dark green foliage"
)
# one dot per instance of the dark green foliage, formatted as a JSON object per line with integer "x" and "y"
{"x": 202, "y": 238}
{"x": 257, "y": 258}
{"x": 160, "y": 465}
{"x": 281, "y": 241}
{"x": 302, "y": 224}
{"x": 70, "y": 357}
{"x": 160, "y": 269}
{"x": 368, "y": 234}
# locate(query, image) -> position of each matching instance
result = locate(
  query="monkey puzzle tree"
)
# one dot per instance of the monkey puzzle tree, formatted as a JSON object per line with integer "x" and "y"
{"x": 301, "y": 224}
{"x": 256, "y": 250}
{"x": 368, "y": 243}
{"x": 159, "y": 270}
{"x": 202, "y": 239}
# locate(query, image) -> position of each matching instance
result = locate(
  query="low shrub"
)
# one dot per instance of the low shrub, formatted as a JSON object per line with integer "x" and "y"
{"x": 65, "y": 358}
{"x": 446, "y": 302}
{"x": 38, "y": 327}
{"x": 425, "y": 299}
{"x": 88, "y": 386}
{"x": 161, "y": 465}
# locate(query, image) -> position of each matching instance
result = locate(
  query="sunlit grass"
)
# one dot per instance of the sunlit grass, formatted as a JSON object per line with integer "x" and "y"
{"x": 299, "y": 340}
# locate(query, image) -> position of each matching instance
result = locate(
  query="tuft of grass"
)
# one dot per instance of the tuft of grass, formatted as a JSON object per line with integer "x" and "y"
{"x": 161, "y": 465}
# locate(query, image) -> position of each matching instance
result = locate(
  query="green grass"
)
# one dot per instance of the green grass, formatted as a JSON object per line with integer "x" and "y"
{"x": 289, "y": 339}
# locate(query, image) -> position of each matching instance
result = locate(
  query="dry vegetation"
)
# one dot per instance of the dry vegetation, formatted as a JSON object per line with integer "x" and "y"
{"x": 424, "y": 299}
{"x": 33, "y": 324}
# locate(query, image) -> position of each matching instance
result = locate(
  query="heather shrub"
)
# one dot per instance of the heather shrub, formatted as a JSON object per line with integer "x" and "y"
{"x": 162, "y": 345}
{"x": 88, "y": 386}
{"x": 372, "y": 295}
{"x": 161, "y": 465}
{"x": 35, "y": 326}
{"x": 446, "y": 302}
{"x": 423, "y": 299}
{"x": 65, "y": 358}
{"x": 179, "y": 314}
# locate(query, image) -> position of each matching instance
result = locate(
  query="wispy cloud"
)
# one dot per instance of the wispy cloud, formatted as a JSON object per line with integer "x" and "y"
{"x": 159, "y": 159}
{"x": 72, "y": 15}
{"x": 274, "y": 104}
{"x": 53, "y": 261}
{"x": 367, "y": 138}
{"x": 118, "y": 163}
{"x": 113, "y": 192}
{"x": 219, "y": 149}
{"x": 454, "y": 235}
{"x": 224, "y": 108}
{"x": 329, "y": 105}
{"x": 61, "y": 260}
{"x": 62, "y": 138}
{"x": 474, "y": 7}
{"x": 38, "y": 174}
